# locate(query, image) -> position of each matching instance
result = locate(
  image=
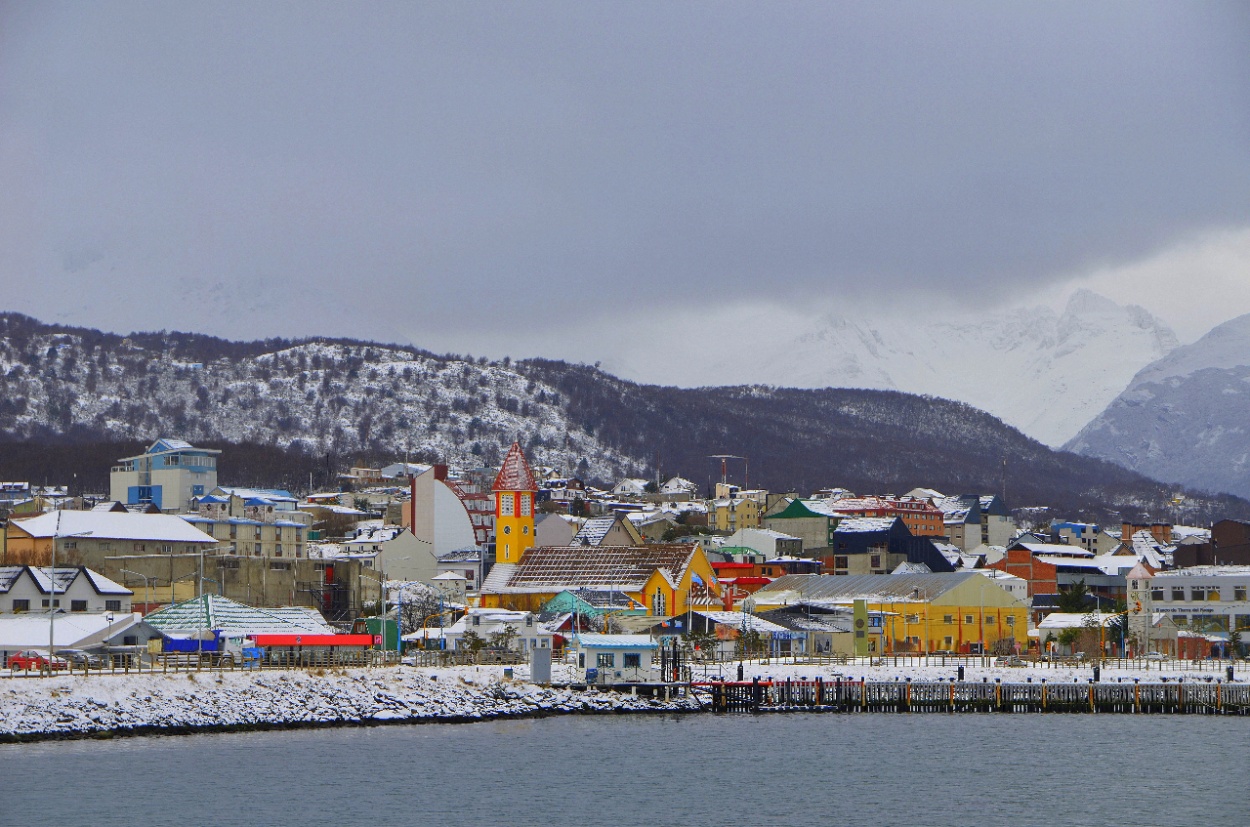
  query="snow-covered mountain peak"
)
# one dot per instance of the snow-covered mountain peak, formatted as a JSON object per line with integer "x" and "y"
{"x": 1045, "y": 372}
{"x": 1226, "y": 346}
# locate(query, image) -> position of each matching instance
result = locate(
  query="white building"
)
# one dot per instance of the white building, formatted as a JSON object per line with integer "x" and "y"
{"x": 169, "y": 475}
{"x": 449, "y": 514}
{"x": 1205, "y": 598}
{"x": 76, "y": 590}
{"x": 492, "y": 625}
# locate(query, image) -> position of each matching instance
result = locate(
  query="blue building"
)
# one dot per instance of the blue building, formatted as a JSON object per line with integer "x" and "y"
{"x": 169, "y": 475}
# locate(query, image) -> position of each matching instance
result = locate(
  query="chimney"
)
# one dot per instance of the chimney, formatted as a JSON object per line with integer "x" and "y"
{"x": 440, "y": 472}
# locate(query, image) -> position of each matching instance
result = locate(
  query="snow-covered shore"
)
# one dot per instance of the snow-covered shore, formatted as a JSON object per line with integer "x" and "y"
{"x": 76, "y": 706}
{"x": 101, "y": 705}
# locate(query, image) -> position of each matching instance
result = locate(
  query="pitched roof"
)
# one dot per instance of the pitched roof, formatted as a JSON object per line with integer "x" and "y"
{"x": 114, "y": 526}
{"x": 515, "y": 474}
{"x": 594, "y": 530}
{"x": 620, "y": 568}
{"x": 218, "y": 613}
{"x": 836, "y": 589}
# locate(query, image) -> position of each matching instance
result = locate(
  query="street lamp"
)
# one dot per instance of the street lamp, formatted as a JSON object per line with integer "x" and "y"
{"x": 56, "y": 535}
{"x": 147, "y": 590}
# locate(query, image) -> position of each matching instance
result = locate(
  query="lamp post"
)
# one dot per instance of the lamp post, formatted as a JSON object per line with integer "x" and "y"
{"x": 147, "y": 590}
{"x": 56, "y": 535}
{"x": 382, "y": 609}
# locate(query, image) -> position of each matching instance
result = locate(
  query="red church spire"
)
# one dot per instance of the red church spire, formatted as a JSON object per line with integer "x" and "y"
{"x": 515, "y": 474}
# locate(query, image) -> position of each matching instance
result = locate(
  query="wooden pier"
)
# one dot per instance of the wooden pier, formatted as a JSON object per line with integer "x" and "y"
{"x": 1215, "y": 698}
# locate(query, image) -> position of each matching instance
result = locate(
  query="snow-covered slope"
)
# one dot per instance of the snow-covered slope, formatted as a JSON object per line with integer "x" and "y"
{"x": 1046, "y": 373}
{"x": 1184, "y": 418}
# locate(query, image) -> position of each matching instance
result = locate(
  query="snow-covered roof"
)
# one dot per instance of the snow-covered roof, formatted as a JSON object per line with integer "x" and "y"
{"x": 856, "y": 525}
{"x": 592, "y": 641}
{"x": 842, "y": 589}
{"x": 154, "y": 528}
{"x": 29, "y": 630}
{"x": 1074, "y": 620}
{"x": 740, "y": 620}
{"x": 1206, "y": 571}
{"x": 594, "y": 530}
{"x": 213, "y": 612}
{"x": 265, "y": 495}
{"x": 555, "y": 568}
{"x": 1105, "y": 563}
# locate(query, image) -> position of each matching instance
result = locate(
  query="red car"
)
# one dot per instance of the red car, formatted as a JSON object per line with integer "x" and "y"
{"x": 34, "y": 660}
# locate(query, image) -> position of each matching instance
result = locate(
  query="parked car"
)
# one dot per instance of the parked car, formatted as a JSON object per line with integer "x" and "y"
{"x": 1008, "y": 660}
{"x": 33, "y": 659}
{"x": 1156, "y": 656}
{"x": 79, "y": 659}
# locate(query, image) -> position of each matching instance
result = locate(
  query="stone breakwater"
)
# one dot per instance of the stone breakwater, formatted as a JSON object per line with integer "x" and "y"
{"x": 104, "y": 706}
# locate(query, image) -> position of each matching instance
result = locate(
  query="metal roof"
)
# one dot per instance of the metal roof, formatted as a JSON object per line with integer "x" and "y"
{"x": 619, "y": 568}
{"x": 213, "y": 612}
{"x": 616, "y": 642}
{"x": 796, "y": 588}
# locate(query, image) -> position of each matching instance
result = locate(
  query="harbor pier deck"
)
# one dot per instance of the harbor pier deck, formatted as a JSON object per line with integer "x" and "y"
{"x": 1200, "y": 698}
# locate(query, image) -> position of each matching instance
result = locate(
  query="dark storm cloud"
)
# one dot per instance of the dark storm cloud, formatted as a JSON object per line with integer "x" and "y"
{"x": 358, "y": 168}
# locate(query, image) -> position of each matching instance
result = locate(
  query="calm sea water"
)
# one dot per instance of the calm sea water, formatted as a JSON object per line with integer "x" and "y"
{"x": 683, "y": 770}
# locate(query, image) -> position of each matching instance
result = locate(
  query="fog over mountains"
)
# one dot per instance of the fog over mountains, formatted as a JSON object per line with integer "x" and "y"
{"x": 1047, "y": 373}
{"x": 339, "y": 400}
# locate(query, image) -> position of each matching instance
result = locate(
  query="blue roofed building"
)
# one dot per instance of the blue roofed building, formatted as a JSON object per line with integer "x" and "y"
{"x": 170, "y": 475}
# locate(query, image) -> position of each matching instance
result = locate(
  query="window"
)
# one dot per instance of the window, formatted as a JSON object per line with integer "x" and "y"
{"x": 989, "y": 620}
{"x": 275, "y": 566}
{"x": 632, "y": 660}
{"x": 840, "y": 562}
{"x": 525, "y": 505}
{"x": 130, "y": 640}
{"x": 257, "y": 550}
{"x": 21, "y": 606}
{"x": 1178, "y": 593}
{"x": 1156, "y": 593}
{"x": 56, "y": 604}
{"x": 948, "y": 618}
{"x": 1011, "y": 620}
{"x": 658, "y": 605}
{"x": 507, "y": 505}
{"x": 875, "y": 561}
{"x": 529, "y": 620}
{"x": 106, "y": 546}
{"x": 969, "y": 620}
{"x": 277, "y": 551}
{"x": 606, "y": 660}
{"x": 1239, "y": 592}
{"x": 78, "y": 605}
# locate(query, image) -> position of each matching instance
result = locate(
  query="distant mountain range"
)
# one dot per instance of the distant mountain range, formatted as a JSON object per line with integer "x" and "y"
{"x": 1184, "y": 418}
{"x": 338, "y": 400}
{"x": 1046, "y": 373}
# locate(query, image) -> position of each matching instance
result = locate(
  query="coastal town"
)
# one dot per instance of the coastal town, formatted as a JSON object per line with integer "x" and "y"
{"x": 650, "y": 586}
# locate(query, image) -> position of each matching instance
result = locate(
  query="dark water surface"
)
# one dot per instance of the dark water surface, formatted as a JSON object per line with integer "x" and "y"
{"x": 817, "y": 769}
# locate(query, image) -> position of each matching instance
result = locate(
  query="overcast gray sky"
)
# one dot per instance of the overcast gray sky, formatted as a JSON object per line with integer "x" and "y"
{"x": 447, "y": 173}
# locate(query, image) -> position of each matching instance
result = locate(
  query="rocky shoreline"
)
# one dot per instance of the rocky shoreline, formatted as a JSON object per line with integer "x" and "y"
{"x": 115, "y": 706}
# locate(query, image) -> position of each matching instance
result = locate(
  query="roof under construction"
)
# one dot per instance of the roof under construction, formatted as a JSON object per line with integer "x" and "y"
{"x": 601, "y": 568}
